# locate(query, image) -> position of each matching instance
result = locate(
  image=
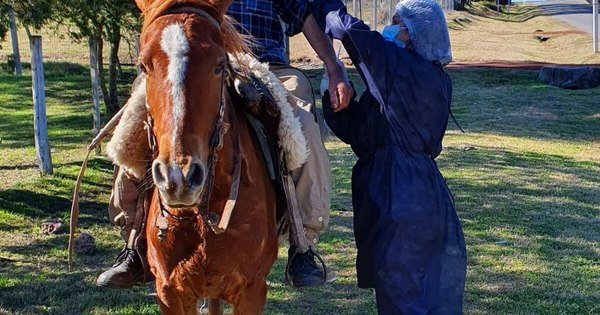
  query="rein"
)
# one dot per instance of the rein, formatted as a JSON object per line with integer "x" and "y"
{"x": 217, "y": 223}
{"x": 110, "y": 126}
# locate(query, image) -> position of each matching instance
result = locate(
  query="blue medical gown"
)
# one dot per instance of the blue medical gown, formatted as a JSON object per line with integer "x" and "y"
{"x": 410, "y": 242}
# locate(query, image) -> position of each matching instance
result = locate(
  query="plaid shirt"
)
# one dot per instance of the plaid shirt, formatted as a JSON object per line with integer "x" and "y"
{"x": 261, "y": 19}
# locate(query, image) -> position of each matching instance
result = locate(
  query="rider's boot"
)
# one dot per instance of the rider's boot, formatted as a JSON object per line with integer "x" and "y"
{"x": 127, "y": 271}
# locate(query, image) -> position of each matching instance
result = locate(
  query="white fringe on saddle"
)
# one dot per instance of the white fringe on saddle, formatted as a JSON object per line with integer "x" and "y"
{"x": 292, "y": 140}
{"x": 129, "y": 146}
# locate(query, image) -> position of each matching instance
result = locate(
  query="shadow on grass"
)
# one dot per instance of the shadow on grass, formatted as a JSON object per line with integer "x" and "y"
{"x": 28, "y": 289}
{"x": 339, "y": 297}
{"x": 526, "y": 208}
{"x": 38, "y": 206}
{"x": 51, "y": 196}
{"x": 68, "y": 99}
{"x": 545, "y": 206}
{"x": 514, "y": 103}
{"x": 533, "y": 190}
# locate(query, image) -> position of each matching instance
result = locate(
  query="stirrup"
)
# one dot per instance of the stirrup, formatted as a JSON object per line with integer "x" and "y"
{"x": 288, "y": 281}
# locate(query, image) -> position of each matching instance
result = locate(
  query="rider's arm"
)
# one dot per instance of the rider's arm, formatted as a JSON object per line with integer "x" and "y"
{"x": 324, "y": 48}
{"x": 296, "y": 15}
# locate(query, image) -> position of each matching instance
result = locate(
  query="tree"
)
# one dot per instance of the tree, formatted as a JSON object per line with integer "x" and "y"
{"x": 34, "y": 14}
{"x": 100, "y": 21}
{"x": 4, "y": 21}
{"x": 31, "y": 13}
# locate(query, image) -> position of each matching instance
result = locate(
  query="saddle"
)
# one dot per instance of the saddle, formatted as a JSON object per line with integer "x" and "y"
{"x": 261, "y": 111}
{"x": 264, "y": 116}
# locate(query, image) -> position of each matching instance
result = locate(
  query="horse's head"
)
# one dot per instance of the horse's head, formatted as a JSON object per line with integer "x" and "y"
{"x": 184, "y": 53}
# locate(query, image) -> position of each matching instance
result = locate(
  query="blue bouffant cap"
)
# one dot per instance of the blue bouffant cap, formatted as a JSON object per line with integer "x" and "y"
{"x": 427, "y": 29}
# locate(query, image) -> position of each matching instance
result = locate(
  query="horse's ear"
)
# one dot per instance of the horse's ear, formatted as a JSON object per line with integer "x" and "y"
{"x": 220, "y": 5}
{"x": 144, "y": 4}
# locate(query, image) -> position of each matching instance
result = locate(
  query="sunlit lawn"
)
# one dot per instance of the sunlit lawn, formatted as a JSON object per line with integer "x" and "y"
{"x": 525, "y": 176}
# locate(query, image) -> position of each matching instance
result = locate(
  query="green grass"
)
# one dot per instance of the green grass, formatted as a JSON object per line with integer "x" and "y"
{"x": 526, "y": 178}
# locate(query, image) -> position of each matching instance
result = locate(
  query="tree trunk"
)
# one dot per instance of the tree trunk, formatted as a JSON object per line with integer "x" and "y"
{"x": 95, "y": 79}
{"x": 39, "y": 106}
{"x": 101, "y": 79}
{"x": 112, "y": 74}
{"x": 15, "y": 43}
{"x": 137, "y": 52}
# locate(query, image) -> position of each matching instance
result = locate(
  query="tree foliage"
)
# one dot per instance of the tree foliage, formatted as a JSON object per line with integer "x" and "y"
{"x": 4, "y": 22}
{"x": 31, "y": 13}
{"x": 102, "y": 20}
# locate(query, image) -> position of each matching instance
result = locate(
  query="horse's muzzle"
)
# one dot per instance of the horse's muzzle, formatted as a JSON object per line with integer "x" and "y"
{"x": 179, "y": 186}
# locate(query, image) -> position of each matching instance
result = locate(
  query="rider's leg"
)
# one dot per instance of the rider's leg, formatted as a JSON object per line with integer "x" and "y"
{"x": 312, "y": 180}
{"x": 128, "y": 268}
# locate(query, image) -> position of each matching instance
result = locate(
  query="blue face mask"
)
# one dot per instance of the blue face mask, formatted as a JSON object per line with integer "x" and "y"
{"x": 390, "y": 32}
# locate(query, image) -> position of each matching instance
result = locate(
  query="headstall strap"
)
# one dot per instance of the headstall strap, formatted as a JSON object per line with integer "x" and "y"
{"x": 217, "y": 223}
{"x": 195, "y": 10}
{"x": 216, "y": 144}
{"x": 149, "y": 125}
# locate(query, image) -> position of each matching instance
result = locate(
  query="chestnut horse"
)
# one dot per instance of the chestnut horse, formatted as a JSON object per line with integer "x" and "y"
{"x": 200, "y": 143}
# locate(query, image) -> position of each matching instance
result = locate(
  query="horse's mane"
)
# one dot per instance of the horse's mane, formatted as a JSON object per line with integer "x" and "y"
{"x": 235, "y": 43}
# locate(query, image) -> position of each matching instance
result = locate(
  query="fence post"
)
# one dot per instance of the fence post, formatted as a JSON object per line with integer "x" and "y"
{"x": 595, "y": 25}
{"x": 360, "y": 9}
{"x": 95, "y": 78}
{"x": 42, "y": 145}
{"x": 391, "y": 6}
{"x": 15, "y": 43}
{"x": 374, "y": 27}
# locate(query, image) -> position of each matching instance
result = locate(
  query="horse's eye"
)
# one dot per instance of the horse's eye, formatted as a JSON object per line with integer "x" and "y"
{"x": 220, "y": 68}
{"x": 143, "y": 67}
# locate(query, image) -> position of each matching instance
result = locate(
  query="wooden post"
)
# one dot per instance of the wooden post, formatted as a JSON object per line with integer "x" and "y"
{"x": 595, "y": 26}
{"x": 42, "y": 145}
{"x": 15, "y": 43}
{"x": 95, "y": 79}
{"x": 392, "y": 10}
{"x": 374, "y": 27}
{"x": 360, "y": 9}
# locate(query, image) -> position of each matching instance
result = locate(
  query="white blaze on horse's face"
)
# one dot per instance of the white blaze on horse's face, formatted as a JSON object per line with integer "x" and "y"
{"x": 175, "y": 44}
{"x": 179, "y": 175}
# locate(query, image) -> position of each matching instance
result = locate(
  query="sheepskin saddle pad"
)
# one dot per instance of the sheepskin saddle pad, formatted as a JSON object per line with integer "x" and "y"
{"x": 129, "y": 146}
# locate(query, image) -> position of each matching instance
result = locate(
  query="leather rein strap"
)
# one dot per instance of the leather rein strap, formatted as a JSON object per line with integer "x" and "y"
{"x": 109, "y": 127}
{"x": 217, "y": 223}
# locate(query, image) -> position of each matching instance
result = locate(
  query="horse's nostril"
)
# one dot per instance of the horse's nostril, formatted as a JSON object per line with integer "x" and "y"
{"x": 195, "y": 175}
{"x": 159, "y": 172}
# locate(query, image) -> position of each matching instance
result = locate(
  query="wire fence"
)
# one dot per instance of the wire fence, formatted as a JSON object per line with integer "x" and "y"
{"x": 379, "y": 13}
{"x": 58, "y": 47}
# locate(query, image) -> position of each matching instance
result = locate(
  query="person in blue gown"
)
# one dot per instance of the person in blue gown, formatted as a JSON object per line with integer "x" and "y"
{"x": 411, "y": 248}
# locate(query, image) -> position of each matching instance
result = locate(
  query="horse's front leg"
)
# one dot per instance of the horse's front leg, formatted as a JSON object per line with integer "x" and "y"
{"x": 252, "y": 299}
{"x": 215, "y": 307}
{"x": 173, "y": 302}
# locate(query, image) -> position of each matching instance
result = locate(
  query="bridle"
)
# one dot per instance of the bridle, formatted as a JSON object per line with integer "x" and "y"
{"x": 217, "y": 223}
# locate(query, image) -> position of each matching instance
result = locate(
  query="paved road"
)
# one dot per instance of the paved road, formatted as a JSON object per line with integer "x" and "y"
{"x": 575, "y": 12}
